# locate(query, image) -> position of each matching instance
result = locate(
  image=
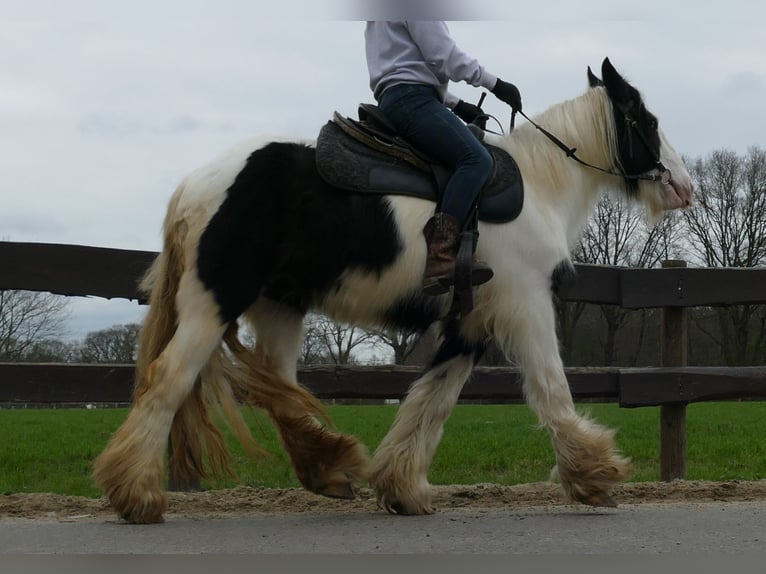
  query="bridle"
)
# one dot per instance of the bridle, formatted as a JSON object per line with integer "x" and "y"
{"x": 665, "y": 176}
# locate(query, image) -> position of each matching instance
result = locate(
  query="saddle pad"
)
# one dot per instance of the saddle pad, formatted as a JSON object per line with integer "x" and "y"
{"x": 351, "y": 166}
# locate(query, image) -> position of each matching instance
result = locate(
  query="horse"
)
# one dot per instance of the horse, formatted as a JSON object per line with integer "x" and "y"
{"x": 257, "y": 238}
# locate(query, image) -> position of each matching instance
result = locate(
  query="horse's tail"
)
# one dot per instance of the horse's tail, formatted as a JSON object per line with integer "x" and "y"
{"x": 161, "y": 282}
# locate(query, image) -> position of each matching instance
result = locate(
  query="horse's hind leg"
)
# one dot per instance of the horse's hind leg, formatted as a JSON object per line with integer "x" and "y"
{"x": 326, "y": 462}
{"x": 587, "y": 462}
{"x": 130, "y": 469}
{"x": 401, "y": 462}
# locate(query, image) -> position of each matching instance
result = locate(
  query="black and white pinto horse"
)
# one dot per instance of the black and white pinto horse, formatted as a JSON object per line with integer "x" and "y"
{"x": 257, "y": 237}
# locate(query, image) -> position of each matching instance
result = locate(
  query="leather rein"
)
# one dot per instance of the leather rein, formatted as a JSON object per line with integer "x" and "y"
{"x": 664, "y": 177}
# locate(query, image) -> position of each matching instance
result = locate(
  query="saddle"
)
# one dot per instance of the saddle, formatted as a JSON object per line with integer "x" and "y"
{"x": 367, "y": 156}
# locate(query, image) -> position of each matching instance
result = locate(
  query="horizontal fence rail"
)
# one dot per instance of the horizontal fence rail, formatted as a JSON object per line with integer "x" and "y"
{"x": 73, "y": 269}
{"x": 114, "y": 273}
{"x": 57, "y": 383}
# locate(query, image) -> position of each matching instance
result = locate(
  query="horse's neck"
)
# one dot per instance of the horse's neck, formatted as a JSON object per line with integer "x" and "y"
{"x": 555, "y": 181}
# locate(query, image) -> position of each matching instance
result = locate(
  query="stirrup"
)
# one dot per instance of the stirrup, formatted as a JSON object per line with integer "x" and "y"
{"x": 433, "y": 286}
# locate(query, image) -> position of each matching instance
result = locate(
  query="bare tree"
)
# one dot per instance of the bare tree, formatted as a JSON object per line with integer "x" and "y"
{"x": 728, "y": 223}
{"x": 618, "y": 235}
{"x": 52, "y": 351}
{"x": 116, "y": 344}
{"x": 324, "y": 341}
{"x": 402, "y": 341}
{"x": 313, "y": 351}
{"x": 27, "y": 317}
{"x": 727, "y": 228}
{"x": 330, "y": 342}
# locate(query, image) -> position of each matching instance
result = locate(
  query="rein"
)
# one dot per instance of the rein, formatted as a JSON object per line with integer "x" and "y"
{"x": 570, "y": 152}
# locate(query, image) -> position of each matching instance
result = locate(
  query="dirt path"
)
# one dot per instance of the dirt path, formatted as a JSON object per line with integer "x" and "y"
{"x": 244, "y": 501}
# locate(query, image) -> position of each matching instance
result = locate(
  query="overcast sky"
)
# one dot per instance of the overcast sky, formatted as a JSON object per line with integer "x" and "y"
{"x": 105, "y": 106}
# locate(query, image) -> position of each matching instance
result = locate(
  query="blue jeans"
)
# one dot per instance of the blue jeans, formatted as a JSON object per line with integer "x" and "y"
{"x": 427, "y": 124}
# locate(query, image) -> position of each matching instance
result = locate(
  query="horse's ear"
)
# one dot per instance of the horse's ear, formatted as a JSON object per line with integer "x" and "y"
{"x": 618, "y": 89}
{"x": 593, "y": 81}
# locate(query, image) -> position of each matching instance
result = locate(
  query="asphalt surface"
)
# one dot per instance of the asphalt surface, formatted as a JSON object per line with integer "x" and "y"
{"x": 725, "y": 527}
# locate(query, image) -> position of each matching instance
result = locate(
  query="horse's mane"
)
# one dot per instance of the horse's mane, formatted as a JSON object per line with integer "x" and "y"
{"x": 585, "y": 122}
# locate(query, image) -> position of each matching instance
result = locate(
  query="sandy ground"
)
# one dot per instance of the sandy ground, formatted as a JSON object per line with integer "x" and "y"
{"x": 243, "y": 501}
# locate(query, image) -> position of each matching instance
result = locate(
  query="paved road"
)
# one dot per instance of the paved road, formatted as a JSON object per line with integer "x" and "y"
{"x": 634, "y": 529}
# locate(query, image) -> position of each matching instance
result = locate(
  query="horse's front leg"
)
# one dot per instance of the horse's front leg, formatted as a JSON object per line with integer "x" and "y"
{"x": 401, "y": 462}
{"x": 587, "y": 462}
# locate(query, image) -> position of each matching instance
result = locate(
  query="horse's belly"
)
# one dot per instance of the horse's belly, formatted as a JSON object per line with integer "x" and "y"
{"x": 367, "y": 298}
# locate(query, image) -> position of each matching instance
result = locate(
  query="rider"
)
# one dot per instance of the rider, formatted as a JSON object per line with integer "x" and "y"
{"x": 410, "y": 65}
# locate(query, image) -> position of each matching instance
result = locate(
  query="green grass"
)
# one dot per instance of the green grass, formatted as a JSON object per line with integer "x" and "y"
{"x": 52, "y": 450}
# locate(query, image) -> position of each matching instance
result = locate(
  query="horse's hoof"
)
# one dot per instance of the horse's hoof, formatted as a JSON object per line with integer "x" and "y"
{"x": 600, "y": 500}
{"x": 144, "y": 514}
{"x": 133, "y": 518}
{"x": 339, "y": 490}
{"x": 398, "y": 507}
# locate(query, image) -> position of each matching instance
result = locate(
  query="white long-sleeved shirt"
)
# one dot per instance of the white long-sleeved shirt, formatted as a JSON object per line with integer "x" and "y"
{"x": 418, "y": 52}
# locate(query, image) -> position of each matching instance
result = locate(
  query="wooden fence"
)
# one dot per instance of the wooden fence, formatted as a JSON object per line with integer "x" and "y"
{"x": 111, "y": 273}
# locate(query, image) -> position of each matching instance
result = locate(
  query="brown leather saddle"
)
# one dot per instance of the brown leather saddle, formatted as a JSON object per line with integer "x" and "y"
{"x": 367, "y": 156}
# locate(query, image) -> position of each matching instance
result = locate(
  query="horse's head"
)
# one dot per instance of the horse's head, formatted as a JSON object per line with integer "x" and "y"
{"x": 655, "y": 172}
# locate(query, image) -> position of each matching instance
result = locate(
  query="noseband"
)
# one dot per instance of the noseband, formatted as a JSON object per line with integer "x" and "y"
{"x": 665, "y": 176}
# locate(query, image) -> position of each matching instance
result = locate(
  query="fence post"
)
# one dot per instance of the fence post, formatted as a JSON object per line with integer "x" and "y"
{"x": 674, "y": 343}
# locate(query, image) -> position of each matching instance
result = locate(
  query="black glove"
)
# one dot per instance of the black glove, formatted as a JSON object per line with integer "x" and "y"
{"x": 470, "y": 114}
{"x": 508, "y": 93}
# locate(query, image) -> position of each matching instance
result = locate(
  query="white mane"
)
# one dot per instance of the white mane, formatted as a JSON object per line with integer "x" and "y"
{"x": 585, "y": 122}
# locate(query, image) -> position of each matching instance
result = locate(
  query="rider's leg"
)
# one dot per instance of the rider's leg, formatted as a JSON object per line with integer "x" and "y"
{"x": 424, "y": 121}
